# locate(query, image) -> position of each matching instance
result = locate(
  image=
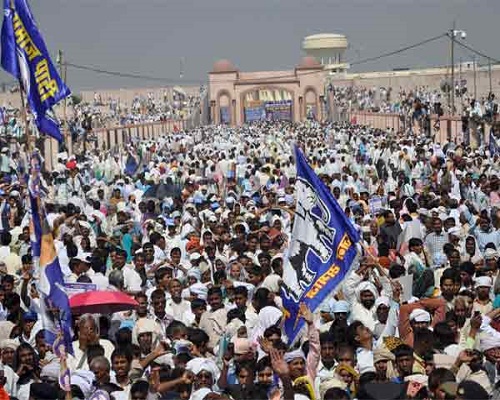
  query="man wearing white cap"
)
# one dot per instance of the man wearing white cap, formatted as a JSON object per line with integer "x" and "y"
{"x": 387, "y": 317}
{"x": 415, "y": 316}
{"x": 483, "y": 303}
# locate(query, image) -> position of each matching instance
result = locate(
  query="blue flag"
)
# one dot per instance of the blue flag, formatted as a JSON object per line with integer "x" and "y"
{"x": 25, "y": 56}
{"x": 55, "y": 312}
{"x": 493, "y": 146}
{"x": 322, "y": 247}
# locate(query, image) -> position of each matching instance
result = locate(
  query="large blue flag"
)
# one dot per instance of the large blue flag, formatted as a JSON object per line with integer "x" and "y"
{"x": 25, "y": 56}
{"x": 55, "y": 312}
{"x": 322, "y": 247}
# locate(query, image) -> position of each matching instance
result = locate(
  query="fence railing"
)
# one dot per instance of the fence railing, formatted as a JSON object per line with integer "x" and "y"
{"x": 443, "y": 129}
{"x": 108, "y": 138}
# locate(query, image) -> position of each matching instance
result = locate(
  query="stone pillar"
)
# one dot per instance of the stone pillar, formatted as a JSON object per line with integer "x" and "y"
{"x": 213, "y": 117}
{"x": 320, "y": 108}
{"x": 301, "y": 109}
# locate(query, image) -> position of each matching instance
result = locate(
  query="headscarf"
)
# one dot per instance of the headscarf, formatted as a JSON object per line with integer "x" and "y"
{"x": 305, "y": 382}
{"x": 381, "y": 354}
{"x": 476, "y": 257}
{"x": 292, "y": 355}
{"x": 348, "y": 369}
{"x": 366, "y": 285}
{"x": 268, "y": 317}
{"x": 5, "y": 329}
{"x": 198, "y": 364}
{"x": 9, "y": 344}
{"x": 489, "y": 342}
{"x": 145, "y": 325}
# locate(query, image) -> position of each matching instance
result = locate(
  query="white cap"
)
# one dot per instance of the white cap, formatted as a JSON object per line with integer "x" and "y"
{"x": 420, "y": 315}
{"x": 484, "y": 281}
{"x": 382, "y": 300}
{"x": 490, "y": 253}
{"x": 341, "y": 306}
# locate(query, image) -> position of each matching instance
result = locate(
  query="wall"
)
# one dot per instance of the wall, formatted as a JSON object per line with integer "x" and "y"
{"x": 109, "y": 138}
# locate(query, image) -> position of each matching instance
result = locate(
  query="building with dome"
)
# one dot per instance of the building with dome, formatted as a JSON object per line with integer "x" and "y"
{"x": 238, "y": 97}
{"x": 306, "y": 91}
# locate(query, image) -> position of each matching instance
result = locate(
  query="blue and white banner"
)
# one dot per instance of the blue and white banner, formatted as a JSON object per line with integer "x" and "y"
{"x": 322, "y": 247}
{"x": 55, "y": 312}
{"x": 25, "y": 56}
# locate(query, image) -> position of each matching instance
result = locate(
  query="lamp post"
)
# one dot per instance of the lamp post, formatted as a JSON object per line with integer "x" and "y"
{"x": 475, "y": 84}
{"x": 453, "y": 34}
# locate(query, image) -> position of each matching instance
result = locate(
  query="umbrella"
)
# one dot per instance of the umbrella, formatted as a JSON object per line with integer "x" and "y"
{"x": 101, "y": 302}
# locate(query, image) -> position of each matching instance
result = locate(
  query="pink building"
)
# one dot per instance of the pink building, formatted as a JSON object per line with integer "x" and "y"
{"x": 239, "y": 97}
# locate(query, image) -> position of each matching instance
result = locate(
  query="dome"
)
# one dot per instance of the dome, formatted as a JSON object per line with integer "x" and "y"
{"x": 309, "y": 62}
{"x": 223, "y": 66}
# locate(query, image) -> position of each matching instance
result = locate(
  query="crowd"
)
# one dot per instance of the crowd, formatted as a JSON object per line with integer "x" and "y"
{"x": 83, "y": 117}
{"x": 142, "y": 109}
{"x": 197, "y": 233}
{"x": 414, "y": 103}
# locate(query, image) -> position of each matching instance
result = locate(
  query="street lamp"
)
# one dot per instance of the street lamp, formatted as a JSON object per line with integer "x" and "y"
{"x": 453, "y": 34}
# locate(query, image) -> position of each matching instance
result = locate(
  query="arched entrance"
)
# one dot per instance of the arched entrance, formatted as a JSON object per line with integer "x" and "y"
{"x": 273, "y": 104}
{"x": 224, "y": 108}
{"x": 311, "y": 103}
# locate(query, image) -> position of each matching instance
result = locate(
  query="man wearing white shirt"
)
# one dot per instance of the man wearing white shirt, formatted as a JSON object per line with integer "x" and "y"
{"x": 131, "y": 279}
{"x": 5, "y": 239}
{"x": 176, "y": 306}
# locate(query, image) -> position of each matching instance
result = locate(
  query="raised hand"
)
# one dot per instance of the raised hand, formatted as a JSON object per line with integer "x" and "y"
{"x": 280, "y": 366}
{"x": 305, "y": 313}
{"x": 265, "y": 344}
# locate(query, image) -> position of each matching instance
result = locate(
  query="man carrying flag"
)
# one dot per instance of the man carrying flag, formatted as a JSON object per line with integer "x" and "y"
{"x": 322, "y": 248}
{"x": 25, "y": 56}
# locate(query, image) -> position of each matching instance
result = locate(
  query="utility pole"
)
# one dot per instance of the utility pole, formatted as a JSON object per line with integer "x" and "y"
{"x": 453, "y": 33}
{"x": 460, "y": 85}
{"x": 489, "y": 74}
{"x": 63, "y": 68}
{"x": 452, "y": 54}
{"x": 475, "y": 77}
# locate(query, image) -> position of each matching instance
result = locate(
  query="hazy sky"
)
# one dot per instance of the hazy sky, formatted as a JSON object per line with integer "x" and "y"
{"x": 150, "y": 37}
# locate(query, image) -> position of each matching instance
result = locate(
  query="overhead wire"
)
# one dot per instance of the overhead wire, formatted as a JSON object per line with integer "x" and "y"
{"x": 120, "y": 74}
{"x": 479, "y": 53}
{"x": 101, "y": 70}
{"x": 401, "y": 50}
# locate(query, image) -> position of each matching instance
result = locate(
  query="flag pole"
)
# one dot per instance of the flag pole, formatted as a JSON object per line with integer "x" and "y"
{"x": 24, "y": 113}
{"x": 63, "y": 69}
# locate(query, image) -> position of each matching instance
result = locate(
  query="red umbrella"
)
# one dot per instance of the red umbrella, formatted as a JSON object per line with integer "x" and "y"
{"x": 101, "y": 302}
